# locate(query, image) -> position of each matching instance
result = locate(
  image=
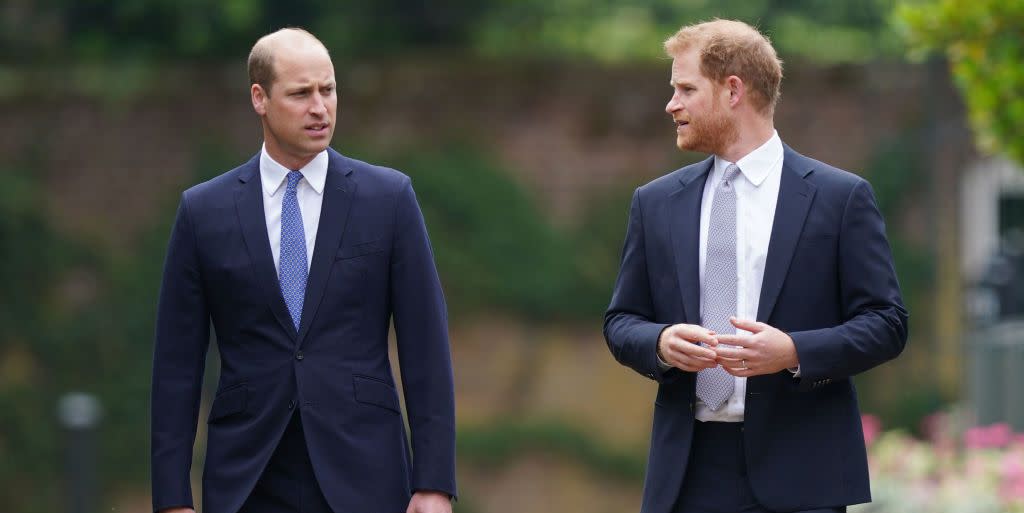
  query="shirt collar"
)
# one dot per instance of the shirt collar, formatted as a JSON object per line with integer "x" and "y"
{"x": 758, "y": 164}
{"x": 273, "y": 174}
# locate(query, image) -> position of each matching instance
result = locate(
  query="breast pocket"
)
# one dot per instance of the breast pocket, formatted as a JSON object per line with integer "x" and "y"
{"x": 817, "y": 239}
{"x": 360, "y": 249}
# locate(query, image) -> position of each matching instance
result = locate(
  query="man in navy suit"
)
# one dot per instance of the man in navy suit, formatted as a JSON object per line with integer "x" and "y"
{"x": 753, "y": 286}
{"x": 301, "y": 257}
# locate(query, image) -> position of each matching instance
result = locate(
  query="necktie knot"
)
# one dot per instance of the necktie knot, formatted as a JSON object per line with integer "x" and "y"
{"x": 730, "y": 174}
{"x": 293, "y": 179}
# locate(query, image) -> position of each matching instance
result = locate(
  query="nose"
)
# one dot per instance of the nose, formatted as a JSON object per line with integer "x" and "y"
{"x": 673, "y": 104}
{"x": 318, "y": 107}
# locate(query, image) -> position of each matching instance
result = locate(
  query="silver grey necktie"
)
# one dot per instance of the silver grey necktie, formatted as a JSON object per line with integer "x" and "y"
{"x": 718, "y": 295}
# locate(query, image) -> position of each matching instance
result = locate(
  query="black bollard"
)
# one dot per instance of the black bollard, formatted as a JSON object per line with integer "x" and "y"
{"x": 80, "y": 413}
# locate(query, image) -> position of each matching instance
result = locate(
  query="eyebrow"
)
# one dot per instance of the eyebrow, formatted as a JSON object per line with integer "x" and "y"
{"x": 306, "y": 87}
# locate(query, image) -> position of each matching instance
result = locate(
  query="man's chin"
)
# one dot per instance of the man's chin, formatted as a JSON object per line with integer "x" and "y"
{"x": 694, "y": 146}
{"x": 318, "y": 146}
{"x": 685, "y": 144}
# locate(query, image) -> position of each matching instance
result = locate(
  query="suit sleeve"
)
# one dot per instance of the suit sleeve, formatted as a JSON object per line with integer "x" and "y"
{"x": 182, "y": 338}
{"x": 421, "y": 327}
{"x": 875, "y": 329}
{"x": 629, "y": 329}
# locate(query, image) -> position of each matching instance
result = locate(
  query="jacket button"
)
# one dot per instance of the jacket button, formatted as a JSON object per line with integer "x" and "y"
{"x": 298, "y": 356}
{"x": 291, "y": 405}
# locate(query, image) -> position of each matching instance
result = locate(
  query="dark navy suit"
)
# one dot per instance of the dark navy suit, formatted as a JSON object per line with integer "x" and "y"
{"x": 372, "y": 262}
{"x": 829, "y": 283}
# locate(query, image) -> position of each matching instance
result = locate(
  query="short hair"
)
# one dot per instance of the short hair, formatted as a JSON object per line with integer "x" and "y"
{"x": 728, "y": 47}
{"x": 261, "y": 57}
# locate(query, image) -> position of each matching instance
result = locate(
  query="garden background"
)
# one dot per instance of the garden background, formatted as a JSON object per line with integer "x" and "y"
{"x": 526, "y": 125}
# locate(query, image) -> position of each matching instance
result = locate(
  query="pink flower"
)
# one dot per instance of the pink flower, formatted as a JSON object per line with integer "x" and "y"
{"x": 988, "y": 437}
{"x": 871, "y": 426}
{"x": 1012, "y": 486}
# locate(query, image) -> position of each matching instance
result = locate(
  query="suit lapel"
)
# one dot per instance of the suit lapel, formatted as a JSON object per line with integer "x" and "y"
{"x": 795, "y": 197}
{"x": 684, "y": 226}
{"x": 339, "y": 191}
{"x": 249, "y": 205}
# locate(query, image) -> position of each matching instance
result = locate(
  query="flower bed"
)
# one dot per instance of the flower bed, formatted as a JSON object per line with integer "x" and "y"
{"x": 977, "y": 470}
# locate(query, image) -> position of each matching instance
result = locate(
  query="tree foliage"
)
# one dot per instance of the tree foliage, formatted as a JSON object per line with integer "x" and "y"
{"x": 34, "y": 31}
{"x": 611, "y": 30}
{"x": 984, "y": 42}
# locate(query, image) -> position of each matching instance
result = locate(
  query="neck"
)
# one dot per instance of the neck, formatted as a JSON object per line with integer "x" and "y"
{"x": 752, "y": 133}
{"x": 293, "y": 162}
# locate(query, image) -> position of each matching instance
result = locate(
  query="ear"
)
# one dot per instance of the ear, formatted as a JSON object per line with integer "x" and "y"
{"x": 736, "y": 88}
{"x": 259, "y": 99}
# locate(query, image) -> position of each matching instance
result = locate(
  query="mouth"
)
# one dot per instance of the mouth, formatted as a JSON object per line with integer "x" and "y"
{"x": 680, "y": 124}
{"x": 317, "y": 128}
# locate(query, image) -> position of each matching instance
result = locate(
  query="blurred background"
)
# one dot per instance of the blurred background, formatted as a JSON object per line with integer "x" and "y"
{"x": 526, "y": 125}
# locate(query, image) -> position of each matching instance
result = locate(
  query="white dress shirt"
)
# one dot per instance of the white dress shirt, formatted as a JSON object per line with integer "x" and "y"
{"x": 309, "y": 192}
{"x": 757, "y": 193}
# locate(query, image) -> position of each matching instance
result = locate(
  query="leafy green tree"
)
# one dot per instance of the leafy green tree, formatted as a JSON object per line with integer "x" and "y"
{"x": 62, "y": 31}
{"x": 611, "y": 30}
{"x": 984, "y": 42}
{"x": 149, "y": 31}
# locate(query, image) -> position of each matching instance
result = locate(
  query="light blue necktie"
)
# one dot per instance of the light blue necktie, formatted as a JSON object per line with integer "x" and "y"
{"x": 292, "y": 271}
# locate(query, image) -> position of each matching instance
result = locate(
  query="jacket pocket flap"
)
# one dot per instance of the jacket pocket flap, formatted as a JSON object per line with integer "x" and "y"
{"x": 376, "y": 392}
{"x": 230, "y": 401}
{"x": 363, "y": 248}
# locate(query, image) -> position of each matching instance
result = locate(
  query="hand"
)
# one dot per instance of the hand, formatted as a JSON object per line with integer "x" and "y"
{"x": 429, "y": 502}
{"x": 766, "y": 350}
{"x": 679, "y": 345}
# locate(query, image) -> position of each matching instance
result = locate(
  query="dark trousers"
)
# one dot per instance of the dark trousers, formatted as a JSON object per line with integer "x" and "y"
{"x": 716, "y": 476}
{"x": 288, "y": 484}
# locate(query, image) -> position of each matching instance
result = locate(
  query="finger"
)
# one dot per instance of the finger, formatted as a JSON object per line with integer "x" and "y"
{"x": 697, "y": 365}
{"x": 732, "y": 353}
{"x": 697, "y": 334}
{"x": 682, "y": 356}
{"x": 691, "y": 364}
{"x": 734, "y": 340}
{"x": 748, "y": 324}
{"x": 691, "y": 349}
{"x": 741, "y": 372}
{"x": 731, "y": 362}
{"x": 694, "y": 364}
{"x": 685, "y": 352}
{"x": 734, "y": 365}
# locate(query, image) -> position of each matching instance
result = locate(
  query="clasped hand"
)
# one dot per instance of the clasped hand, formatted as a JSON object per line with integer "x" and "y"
{"x": 765, "y": 350}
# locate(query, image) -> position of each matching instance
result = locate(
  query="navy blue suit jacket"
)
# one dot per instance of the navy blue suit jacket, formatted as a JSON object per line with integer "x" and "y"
{"x": 372, "y": 261}
{"x": 829, "y": 283}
